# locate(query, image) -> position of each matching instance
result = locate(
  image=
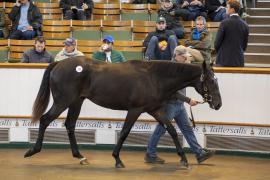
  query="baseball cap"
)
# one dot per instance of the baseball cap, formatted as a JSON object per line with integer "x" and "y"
{"x": 182, "y": 51}
{"x": 70, "y": 42}
{"x": 161, "y": 19}
{"x": 108, "y": 38}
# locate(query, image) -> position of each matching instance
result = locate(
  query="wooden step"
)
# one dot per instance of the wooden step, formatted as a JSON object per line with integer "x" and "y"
{"x": 258, "y": 48}
{"x": 258, "y": 28}
{"x": 258, "y": 11}
{"x": 257, "y": 58}
{"x": 259, "y": 38}
{"x": 258, "y": 20}
{"x": 263, "y": 4}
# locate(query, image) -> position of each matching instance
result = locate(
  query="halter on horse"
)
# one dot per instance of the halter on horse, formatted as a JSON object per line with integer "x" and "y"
{"x": 135, "y": 86}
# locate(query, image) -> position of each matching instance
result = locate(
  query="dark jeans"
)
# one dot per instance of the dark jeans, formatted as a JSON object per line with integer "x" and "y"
{"x": 220, "y": 15}
{"x": 78, "y": 15}
{"x": 192, "y": 15}
{"x": 175, "y": 110}
{"x": 154, "y": 53}
{"x": 179, "y": 32}
{"x": 26, "y": 35}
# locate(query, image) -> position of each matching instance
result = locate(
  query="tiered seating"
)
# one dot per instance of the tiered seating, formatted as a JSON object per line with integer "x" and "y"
{"x": 54, "y": 46}
{"x": 3, "y": 50}
{"x": 106, "y": 11}
{"x": 142, "y": 28}
{"x": 56, "y": 29}
{"x": 17, "y": 48}
{"x": 88, "y": 47}
{"x": 134, "y": 12}
{"x": 120, "y": 30}
{"x": 127, "y": 23}
{"x": 50, "y": 10}
{"x": 88, "y": 30}
{"x": 130, "y": 49}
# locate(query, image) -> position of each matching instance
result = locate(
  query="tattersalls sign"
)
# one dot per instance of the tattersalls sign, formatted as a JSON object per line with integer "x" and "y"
{"x": 228, "y": 130}
{"x": 200, "y": 129}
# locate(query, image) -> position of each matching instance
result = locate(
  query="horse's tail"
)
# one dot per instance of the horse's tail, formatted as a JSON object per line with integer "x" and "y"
{"x": 43, "y": 96}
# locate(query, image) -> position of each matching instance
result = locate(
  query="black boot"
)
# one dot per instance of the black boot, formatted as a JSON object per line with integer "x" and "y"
{"x": 206, "y": 154}
{"x": 153, "y": 160}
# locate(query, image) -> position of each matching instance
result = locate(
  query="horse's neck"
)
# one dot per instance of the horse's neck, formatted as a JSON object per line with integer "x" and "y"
{"x": 185, "y": 76}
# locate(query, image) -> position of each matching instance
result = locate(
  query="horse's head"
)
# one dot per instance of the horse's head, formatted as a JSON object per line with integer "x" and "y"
{"x": 208, "y": 87}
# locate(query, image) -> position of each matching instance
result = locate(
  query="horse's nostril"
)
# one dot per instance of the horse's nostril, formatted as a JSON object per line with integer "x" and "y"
{"x": 217, "y": 107}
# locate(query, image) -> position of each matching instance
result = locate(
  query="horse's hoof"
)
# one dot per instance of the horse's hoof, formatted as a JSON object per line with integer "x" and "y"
{"x": 84, "y": 161}
{"x": 184, "y": 163}
{"x": 30, "y": 153}
{"x": 120, "y": 165}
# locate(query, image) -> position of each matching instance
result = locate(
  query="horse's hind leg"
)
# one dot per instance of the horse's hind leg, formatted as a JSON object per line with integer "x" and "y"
{"x": 45, "y": 120}
{"x": 132, "y": 116}
{"x": 171, "y": 130}
{"x": 159, "y": 115}
{"x": 72, "y": 116}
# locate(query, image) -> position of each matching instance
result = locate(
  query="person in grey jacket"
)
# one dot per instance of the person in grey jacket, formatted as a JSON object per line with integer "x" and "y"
{"x": 175, "y": 109}
{"x": 38, "y": 54}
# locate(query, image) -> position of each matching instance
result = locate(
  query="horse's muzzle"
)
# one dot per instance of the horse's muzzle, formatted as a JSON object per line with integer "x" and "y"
{"x": 217, "y": 107}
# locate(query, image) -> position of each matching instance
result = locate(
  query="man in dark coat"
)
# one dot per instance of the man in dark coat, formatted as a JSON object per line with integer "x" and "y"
{"x": 26, "y": 20}
{"x": 232, "y": 38}
{"x": 77, "y": 9}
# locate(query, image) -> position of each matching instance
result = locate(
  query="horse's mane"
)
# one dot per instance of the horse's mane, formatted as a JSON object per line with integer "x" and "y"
{"x": 171, "y": 69}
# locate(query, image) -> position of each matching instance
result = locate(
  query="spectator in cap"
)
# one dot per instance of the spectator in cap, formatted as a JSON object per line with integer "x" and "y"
{"x": 38, "y": 54}
{"x": 175, "y": 109}
{"x": 172, "y": 13}
{"x": 106, "y": 52}
{"x": 160, "y": 43}
{"x": 70, "y": 50}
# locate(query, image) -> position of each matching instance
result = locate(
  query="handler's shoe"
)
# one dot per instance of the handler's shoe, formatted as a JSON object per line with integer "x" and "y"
{"x": 206, "y": 154}
{"x": 153, "y": 160}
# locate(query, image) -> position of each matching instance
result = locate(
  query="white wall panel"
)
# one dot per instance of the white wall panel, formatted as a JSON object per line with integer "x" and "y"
{"x": 245, "y": 97}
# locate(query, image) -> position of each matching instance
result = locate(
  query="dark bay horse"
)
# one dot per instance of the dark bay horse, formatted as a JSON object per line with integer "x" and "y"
{"x": 135, "y": 86}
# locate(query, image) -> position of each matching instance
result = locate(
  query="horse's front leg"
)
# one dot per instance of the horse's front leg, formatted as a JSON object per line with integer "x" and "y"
{"x": 171, "y": 130}
{"x": 45, "y": 120}
{"x": 131, "y": 118}
{"x": 73, "y": 113}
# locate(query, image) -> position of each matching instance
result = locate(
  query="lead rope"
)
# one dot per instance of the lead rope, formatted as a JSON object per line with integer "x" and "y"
{"x": 191, "y": 114}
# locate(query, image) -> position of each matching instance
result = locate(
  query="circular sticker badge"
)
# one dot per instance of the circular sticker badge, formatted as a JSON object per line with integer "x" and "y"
{"x": 79, "y": 69}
